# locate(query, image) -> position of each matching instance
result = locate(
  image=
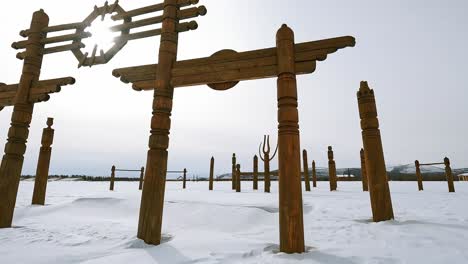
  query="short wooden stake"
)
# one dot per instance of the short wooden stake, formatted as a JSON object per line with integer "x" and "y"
{"x": 233, "y": 174}
{"x": 255, "y": 172}
{"x": 184, "y": 180}
{"x": 449, "y": 175}
{"x": 210, "y": 187}
{"x": 112, "y": 178}
{"x": 238, "y": 178}
{"x": 379, "y": 190}
{"x": 314, "y": 175}
{"x": 332, "y": 170}
{"x": 42, "y": 172}
{"x": 418, "y": 175}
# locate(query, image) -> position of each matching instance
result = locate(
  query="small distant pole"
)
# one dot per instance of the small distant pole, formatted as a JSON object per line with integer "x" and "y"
{"x": 112, "y": 178}
{"x": 238, "y": 178}
{"x": 233, "y": 174}
{"x": 418, "y": 175}
{"x": 211, "y": 173}
{"x": 306, "y": 170}
{"x": 255, "y": 172}
{"x": 448, "y": 175}
{"x": 314, "y": 175}
{"x": 184, "y": 185}
{"x": 332, "y": 170}
{"x": 142, "y": 175}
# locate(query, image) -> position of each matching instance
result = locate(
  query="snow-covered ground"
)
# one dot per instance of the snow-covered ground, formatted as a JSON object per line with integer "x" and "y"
{"x": 85, "y": 223}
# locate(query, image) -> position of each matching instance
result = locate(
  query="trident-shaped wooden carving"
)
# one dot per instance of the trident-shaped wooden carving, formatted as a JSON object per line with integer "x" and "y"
{"x": 266, "y": 160}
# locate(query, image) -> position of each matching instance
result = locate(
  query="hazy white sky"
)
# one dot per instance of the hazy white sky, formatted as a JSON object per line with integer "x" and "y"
{"x": 413, "y": 53}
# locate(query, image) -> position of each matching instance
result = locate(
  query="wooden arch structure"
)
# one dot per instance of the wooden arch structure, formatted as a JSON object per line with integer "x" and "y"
{"x": 221, "y": 71}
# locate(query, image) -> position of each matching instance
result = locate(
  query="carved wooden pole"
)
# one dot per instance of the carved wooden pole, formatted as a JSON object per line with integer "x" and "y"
{"x": 314, "y": 175}
{"x": 238, "y": 178}
{"x": 112, "y": 178}
{"x": 152, "y": 199}
{"x": 42, "y": 171}
{"x": 332, "y": 170}
{"x": 211, "y": 174}
{"x": 290, "y": 191}
{"x": 184, "y": 181}
{"x": 233, "y": 174}
{"x": 12, "y": 162}
{"x": 306, "y": 170}
{"x": 448, "y": 174}
{"x": 255, "y": 172}
{"x": 379, "y": 190}
{"x": 418, "y": 175}
{"x": 365, "y": 183}
{"x": 142, "y": 175}
{"x": 266, "y": 161}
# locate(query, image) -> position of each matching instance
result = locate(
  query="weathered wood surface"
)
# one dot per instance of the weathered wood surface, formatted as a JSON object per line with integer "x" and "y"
{"x": 379, "y": 190}
{"x": 449, "y": 175}
{"x": 365, "y": 182}
{"x": 418, "y": 175}
{"x": 306, "y": 170}
{"x": 43, "y": 163}
{"x": 39, "y": 91}
{"x": 241, "y": 66}
{"x": 151, "y": 9}
{"x": 332, "y": 170}
{"x": 12, "y": 161}
{"x": 289, "y": 156}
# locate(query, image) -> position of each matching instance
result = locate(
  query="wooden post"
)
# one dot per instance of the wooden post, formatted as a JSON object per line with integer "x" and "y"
{"x": 184, "y": 181}
{"x": 211, "y": 174}
{"x": 233, "y": 174}
{"x": 152, "y": 199}
{"x": 418, "y": 175}
{"x": 12, "y": 162}
{"x": 306, "y": 170}
{"x": 266, "y": 161}
{"x": 332, "y": 170}
{"x": 112, "y": 178}
{"x": 365, "y": 183}
{"x": 290, "y": 191}
{"x": 142, "y": 175}
{"x": 379, "y": 190}
{"x": 42, "y": 171}
{"x": 255, "y": 172}
{"x": 238, "y": 178}
{"x": 314, "y": 175}
{"x": 448, "y": 175}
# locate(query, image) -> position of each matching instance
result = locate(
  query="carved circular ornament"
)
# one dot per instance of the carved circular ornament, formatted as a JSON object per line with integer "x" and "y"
{"x": 226, "y": 85}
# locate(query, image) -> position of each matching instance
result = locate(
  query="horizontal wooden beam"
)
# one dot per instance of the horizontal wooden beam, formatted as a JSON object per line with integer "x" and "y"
{"x": 430, "y": 164}
{"x": 69, "y": 37}
{"x": 233, "y": 66}
{"x": 151, "y": 9}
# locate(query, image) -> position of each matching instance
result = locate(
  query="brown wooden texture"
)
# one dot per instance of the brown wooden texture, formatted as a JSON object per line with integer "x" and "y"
{"x": 234, "y": 67}
{"x": 289, "y": 157}
{"x": 43, "y": 163}
{"x": 255, "y": 172}
{"x": 152, "y": 200}
{"x": 314, "y": 175}
{"x": 266, "y": 161}
{"x": 210, "y": 187}
{"x": 418, "y": 175}
{"x": 238, "y": 178}
{"x": 12, "y": 162}
{"x": 332, "y": 170}
{"x": 306, "y": 170}
{"x": 184, "y": 181}
{"x": 365, "y": 182}
{"x": 142, "y": 176}
{"x": 449, "y": 175}
{"x": 233, "y": 172}
{"x": 112, "y": 179}
{"x": 379, "y": 190}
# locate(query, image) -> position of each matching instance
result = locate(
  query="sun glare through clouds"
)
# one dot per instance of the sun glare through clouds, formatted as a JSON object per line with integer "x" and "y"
{"x": 102, "y": 36}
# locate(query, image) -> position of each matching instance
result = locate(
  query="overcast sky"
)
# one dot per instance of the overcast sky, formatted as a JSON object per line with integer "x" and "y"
{"x": 412, "y": 53}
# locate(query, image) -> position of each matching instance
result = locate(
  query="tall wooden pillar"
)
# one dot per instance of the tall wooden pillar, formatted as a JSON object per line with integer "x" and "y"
{"x": 238, "y": 178}
{"x": 379, "y": 190}
{"x": 12, "y": 162}
{"x": 306, "y": 170}
{"x": 314, "y": 175}
{"x": 418, "y": 175}
{"x": 365, "y": 183}
{"x": 211, "y": 174}
{"x": 184, "y": 180}
{"x": 112, "y": 178}
{"x": 152, "y": 199}
{"x": 449, "y": 175}
{"x": 290, "y": 191}
{"x": 142, "y": 175}
{"x": 42, "y": 171}
{"x": 255, "y": 172}
{"x": 332, "y": 170}
{"x": 233, "y": 174}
